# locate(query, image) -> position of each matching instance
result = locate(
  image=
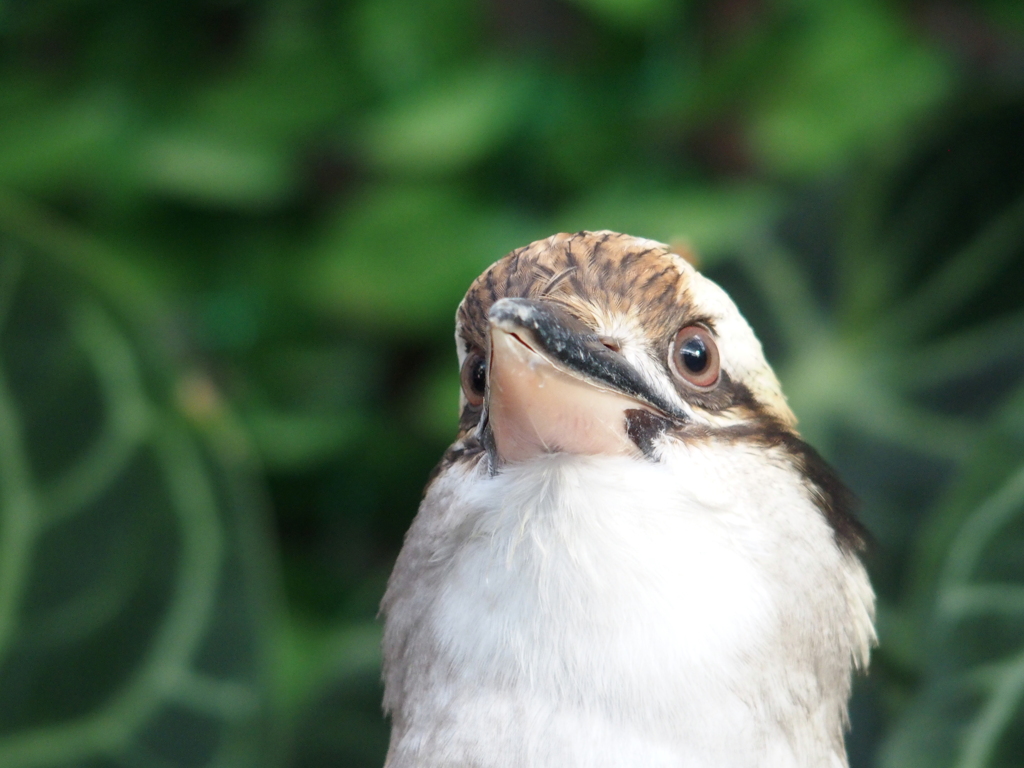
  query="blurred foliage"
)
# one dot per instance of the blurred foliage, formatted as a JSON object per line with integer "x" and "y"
{"x": 232, "y": 238}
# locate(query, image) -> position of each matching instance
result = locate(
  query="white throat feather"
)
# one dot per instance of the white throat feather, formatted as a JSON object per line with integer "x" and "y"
{"x": 607, "y": 610}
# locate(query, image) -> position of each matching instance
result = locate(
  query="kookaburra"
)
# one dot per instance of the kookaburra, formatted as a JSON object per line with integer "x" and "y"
{"x": 629, "y": 556}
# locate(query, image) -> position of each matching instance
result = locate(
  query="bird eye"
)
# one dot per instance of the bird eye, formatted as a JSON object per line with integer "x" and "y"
{"x": 474, "y": 378}
{"x": 695, "y": 356}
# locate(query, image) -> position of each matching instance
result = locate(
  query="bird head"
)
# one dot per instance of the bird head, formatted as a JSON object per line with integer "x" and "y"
{"x": 600, "y": 343}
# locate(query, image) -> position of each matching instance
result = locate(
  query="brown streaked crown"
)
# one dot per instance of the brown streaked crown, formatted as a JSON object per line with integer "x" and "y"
{"x": 581, "y": 271}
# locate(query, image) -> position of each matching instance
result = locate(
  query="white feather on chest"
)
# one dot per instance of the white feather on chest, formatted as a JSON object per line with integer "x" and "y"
{"x": 609, "y": 610}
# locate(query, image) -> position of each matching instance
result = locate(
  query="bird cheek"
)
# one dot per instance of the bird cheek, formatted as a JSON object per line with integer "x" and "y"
{"x": 535, "y": 408}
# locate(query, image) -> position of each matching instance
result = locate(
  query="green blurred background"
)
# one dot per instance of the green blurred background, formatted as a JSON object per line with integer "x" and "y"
{"x": 232, "y": 239}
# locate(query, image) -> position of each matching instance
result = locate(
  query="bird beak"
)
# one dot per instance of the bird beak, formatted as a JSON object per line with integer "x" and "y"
{"x": 554, "y": 386}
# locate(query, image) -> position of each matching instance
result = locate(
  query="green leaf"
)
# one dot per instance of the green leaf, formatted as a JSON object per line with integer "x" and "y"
{"x": 629, "y": 13}
{"x": 292, "y": 92}
{"x": 303, "y": 405}
{"x": 403, "y": 256}
{"x": 214, "y": 170}
{"x": 399, "y": 43}
{"x": 47, "y": 138}
{"x": 288, "y": 440}
{"x": 134, "y": 576}
{"x": 969, "y": 712}
{"x": 315, "y": 655}
{"x": 450, "y": 124}
{"x": 851, "y": 78}
{"x": 435, "y": 409}
{"x": 1008, "y": 15}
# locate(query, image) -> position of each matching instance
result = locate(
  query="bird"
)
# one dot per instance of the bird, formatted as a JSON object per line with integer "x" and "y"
{"x": 629, "y": 556}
